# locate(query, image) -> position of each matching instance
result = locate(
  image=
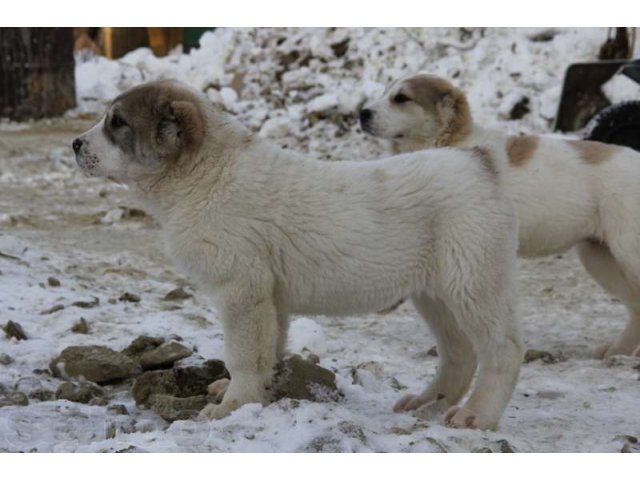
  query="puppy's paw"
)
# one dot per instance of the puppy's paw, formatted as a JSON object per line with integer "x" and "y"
{"x": 234, "y": 394}
{"x": 432, "y": 409}
{"x": 408, "y": 402}
{"x": 607, "y": 350}
{"x": 216, "y": 390}
{"x": 413, "y": 402}
{"x": 214, "y": 412}
{"x": 460, "y": 417}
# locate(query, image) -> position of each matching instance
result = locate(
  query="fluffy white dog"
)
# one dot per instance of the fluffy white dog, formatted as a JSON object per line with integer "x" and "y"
{"x": 566, "y": 192}
{"x": 270, "y": 233}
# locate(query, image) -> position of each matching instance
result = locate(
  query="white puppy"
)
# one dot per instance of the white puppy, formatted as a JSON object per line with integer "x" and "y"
{"x": 566, "y": 192}
{"x": 270, "y": 233}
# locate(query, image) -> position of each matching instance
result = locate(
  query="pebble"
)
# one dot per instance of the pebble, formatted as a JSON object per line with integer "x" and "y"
{"x": 5, "y": 359}
{"x": 81, "y": 327}
{"x": 54, "y": 309}
{"x": 14, "y": 330}
{"x": 14, "y": 399}
{"x": 177, "y": 294}
{"x": 546, "y": 357}
{"x": 129, "y": 297}
{"x": 83, "y": 392}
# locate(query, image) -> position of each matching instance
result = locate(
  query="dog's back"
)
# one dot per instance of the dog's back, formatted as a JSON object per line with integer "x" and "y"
{"x": 382, "y": 223}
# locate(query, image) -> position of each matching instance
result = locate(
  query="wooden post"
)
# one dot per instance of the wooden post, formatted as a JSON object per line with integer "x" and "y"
{"x": 37, "y": 72}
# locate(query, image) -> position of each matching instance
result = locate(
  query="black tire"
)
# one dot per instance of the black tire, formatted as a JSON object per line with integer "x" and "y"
{"x": 618, "y": 124}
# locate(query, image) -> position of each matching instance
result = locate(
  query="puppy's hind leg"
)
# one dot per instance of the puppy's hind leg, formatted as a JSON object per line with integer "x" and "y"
{"x": 620, "y": 277}
{"x": 457, "y": 359}
{"x": 251, "y": 330}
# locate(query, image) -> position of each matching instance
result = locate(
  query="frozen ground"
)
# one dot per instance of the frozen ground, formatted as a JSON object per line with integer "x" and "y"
{"x": 54, "y": 222}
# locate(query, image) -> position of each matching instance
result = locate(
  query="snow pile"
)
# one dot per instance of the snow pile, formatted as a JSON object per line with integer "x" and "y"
{"x": 304, "y": 86}
{"x": 621, "y": 89}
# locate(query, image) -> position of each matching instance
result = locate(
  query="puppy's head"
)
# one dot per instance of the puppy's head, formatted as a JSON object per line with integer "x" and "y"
{"x": 418, "y": 111}
{"x": 146, "y": 130}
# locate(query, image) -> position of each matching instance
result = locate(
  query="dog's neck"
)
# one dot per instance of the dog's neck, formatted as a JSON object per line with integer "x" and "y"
{"x": 472, "y": 136}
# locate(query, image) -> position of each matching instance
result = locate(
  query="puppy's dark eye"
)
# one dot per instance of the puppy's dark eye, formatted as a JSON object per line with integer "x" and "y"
{"x": 117, "y": 121}
{"x": 401, "y": 98}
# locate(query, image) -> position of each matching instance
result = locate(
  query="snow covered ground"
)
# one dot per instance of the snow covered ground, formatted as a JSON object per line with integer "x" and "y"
{"x": 301, "y": 88}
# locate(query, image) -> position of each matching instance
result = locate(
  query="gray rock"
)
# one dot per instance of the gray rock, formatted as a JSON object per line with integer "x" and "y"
{"x": 132, "y": 449}
{"x": 164, "y": 356}
{"x": 54, "y": 309}
{"x": 53, "y": 282}
{"x": 482, "y": 450}
{"x": 42, "y": 394}
{"x": 630, "y": 448}
{"x": 14, "y": 399}
{"x": 87, "y": 304}
{"x": 340, "y": 48}
{"x": 172, "y": 408}
{"x": 83, "y": 392}
{"x": 35, "y": 388}
{"x": 177, "y": 294}
{"x": 14, "y": 330}
{"x": 5, "y": 359}
{"x": 81, "y": 327}
{"x": 118, "y": 409}
{"x": 129, "y": 297}
{"x": 302, "y": 380}
{"x": 93, "y": 363}
{"x": 142, "y": 344}
{"x": 179, "y": 381}
{"x": 153, "y": 353}
{"x": 627, "y": 438}
{"x": 533, "y": 355}
{"x": 505, "y": 446}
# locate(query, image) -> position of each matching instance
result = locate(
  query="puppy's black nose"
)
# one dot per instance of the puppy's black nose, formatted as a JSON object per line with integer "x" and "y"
{"x": 365, "y": 116}
{"x": 77, "y": 145}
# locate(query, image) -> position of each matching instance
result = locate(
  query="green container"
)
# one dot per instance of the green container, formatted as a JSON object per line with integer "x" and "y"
{"x": 191, "y": 37}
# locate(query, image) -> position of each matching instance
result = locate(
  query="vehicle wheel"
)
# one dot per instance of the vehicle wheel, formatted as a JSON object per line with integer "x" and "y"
{"x": 618, "y": 124}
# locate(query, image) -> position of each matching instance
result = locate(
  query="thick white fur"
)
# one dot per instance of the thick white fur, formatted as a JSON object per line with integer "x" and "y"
{"x": 270, "y": 233}
{"x": 562, "y": 200}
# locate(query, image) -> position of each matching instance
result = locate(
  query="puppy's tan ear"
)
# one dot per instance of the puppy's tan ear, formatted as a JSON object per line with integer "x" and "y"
{"x": 454, "y": 115}
{"x": 181, "y": 127}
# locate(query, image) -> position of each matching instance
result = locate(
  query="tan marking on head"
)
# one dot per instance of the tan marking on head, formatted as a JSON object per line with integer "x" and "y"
{"x": 447, "y": 102}
{"x": 593, "y": 153}
{"x": 149, "y": 104}
{"x": 521, "y": 149}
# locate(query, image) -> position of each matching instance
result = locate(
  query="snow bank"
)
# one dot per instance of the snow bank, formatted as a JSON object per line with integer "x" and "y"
{"x": 309, "y": 75}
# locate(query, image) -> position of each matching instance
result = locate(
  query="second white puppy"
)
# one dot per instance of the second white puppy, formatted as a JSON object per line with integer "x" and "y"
{"x": 270, "y": 233}
{"x": 566, "y": 192}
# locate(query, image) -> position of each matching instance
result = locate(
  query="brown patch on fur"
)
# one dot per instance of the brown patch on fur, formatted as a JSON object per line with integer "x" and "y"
{"x": 448, "y": 102}
{"x": 521, "y": 149}
{"x": 486, "y": 159}
{"x": 190, "y": 120}
{"x": 151, "y": 108}
{"x": 593, "y": 153}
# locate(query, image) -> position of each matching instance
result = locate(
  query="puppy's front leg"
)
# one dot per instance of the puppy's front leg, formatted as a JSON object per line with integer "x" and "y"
{"x": 251, "y": 331}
